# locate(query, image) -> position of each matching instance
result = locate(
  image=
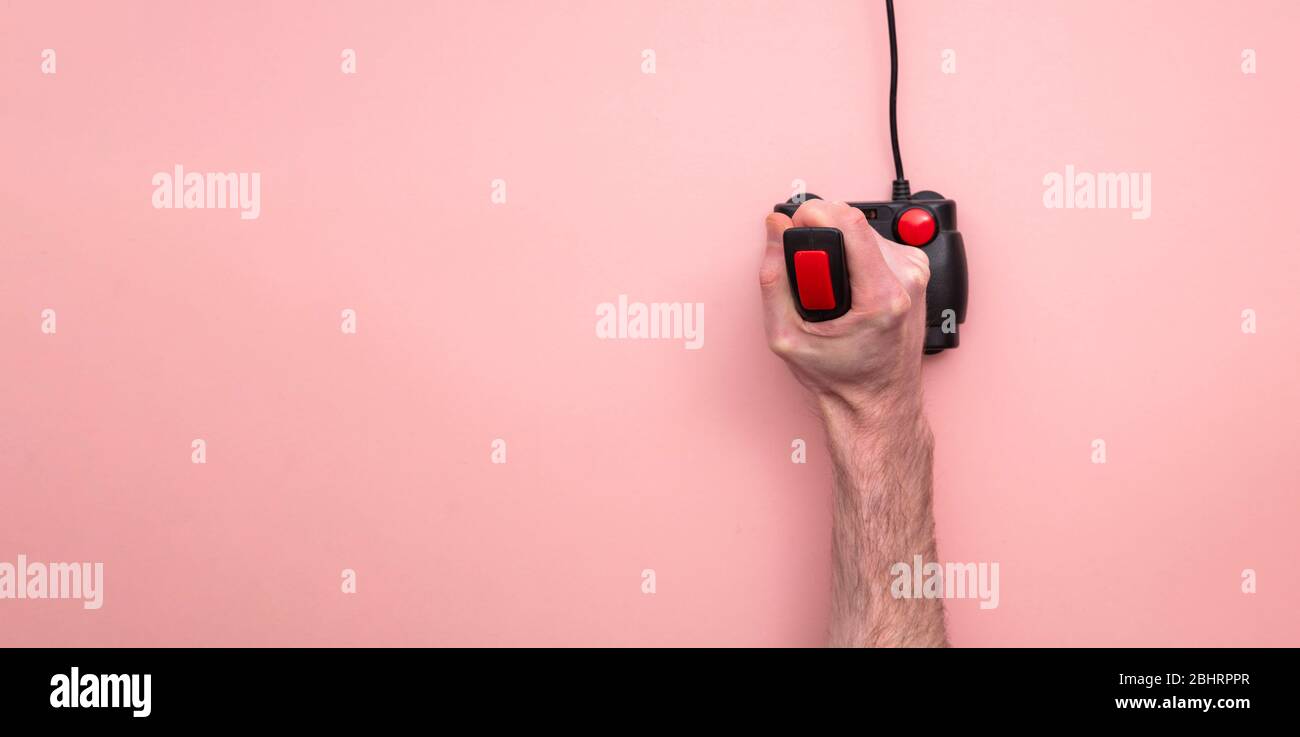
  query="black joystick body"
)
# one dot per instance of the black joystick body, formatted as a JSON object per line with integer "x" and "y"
{"x": 818, "y": 271}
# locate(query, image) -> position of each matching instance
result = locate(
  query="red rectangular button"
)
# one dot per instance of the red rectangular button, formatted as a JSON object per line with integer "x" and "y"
{"x": 812, "y": 272}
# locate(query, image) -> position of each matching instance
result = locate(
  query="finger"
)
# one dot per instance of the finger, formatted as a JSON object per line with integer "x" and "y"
{"x": 813, "y": 214}
{"x": 772, "y": 279}
{"x": 871, "y": 281}
{"x": 911, "y": 267}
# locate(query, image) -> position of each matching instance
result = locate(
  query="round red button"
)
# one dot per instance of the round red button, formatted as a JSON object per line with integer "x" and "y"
{"x": 916, "y": 226}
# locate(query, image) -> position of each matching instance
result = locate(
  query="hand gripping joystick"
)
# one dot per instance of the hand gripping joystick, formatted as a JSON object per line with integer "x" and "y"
{"x": 819, "y": 275}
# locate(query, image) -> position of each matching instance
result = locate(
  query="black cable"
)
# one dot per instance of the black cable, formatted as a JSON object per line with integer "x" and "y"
{"x": 901, "y": 188}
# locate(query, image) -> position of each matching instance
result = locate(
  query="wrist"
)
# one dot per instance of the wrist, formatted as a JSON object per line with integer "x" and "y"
{"x": 897, "y": 414}
{"x": 879, "y": 436}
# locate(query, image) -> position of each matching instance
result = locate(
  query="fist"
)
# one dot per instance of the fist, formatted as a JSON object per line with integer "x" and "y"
{"x": 872, "y": 353}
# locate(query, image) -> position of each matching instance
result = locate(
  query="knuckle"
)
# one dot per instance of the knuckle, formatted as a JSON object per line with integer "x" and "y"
{"x": 892, "y": 309}
{"x": 900, "y": 303}
{"x": 851, "y": 218}
{"x": 921, "y": 258}
{"x": 913, "y": 267}
{"x": 810, "y": 206}
{"x": 781, "y": 344}
{"x": 919, "y": 276}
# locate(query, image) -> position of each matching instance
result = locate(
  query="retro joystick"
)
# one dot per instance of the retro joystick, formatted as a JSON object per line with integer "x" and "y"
{"x": 815, "y": 259}
{"x": 819, "y": 278}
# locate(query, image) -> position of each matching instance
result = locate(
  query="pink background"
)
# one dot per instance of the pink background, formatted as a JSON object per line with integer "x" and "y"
{"x": 476, "y": 321}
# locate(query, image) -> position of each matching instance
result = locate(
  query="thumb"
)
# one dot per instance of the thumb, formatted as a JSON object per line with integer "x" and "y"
{"x": 772, "y": 279}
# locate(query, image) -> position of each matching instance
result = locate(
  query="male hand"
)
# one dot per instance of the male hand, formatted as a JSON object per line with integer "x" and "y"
{"x": 868, "y": 359}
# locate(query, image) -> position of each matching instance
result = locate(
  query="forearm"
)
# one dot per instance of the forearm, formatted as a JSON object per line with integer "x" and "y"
{"x": 881, "y": 454}
{"x": 864, "y": 371}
